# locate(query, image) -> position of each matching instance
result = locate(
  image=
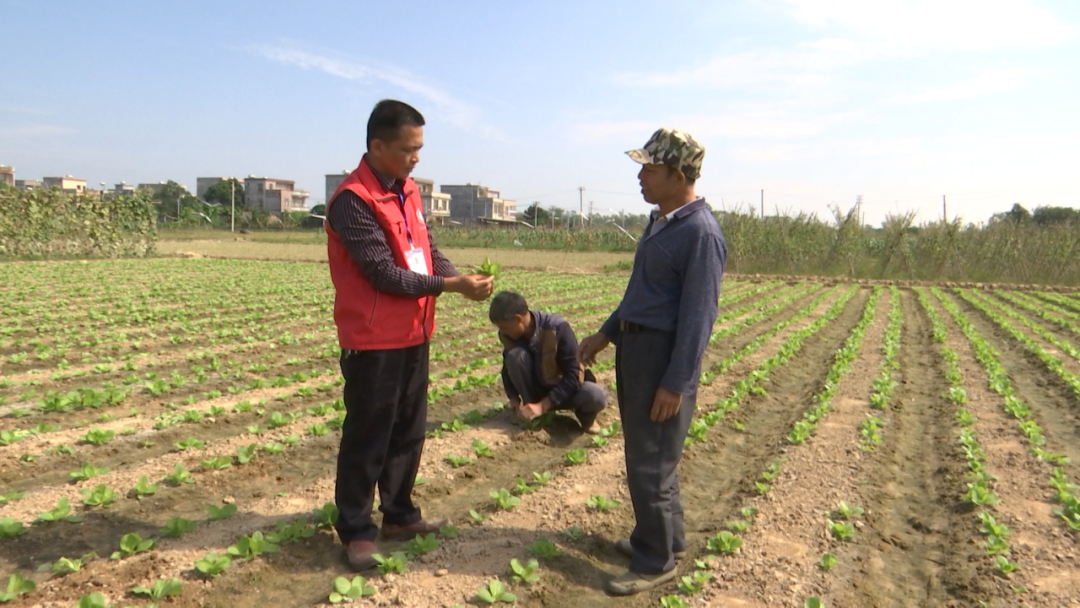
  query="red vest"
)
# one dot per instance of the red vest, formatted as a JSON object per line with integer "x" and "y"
{"x": 366, "y": 318}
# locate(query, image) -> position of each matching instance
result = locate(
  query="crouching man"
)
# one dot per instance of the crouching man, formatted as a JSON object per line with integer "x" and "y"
{"x": 540, "y": 369}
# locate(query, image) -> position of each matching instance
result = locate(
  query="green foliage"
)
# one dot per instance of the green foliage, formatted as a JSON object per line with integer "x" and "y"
{"x": 1004, "y": 566}
{"x": 190, "y": 443}
{"x": 575, "y": 456}
{"x": 62, "y": 512}
{"x": 144, "y": 488}
{"x": 422, "y": 544}
{"x": 216, "y": 464}
{"x": 17, "y": 586}
{"x": 327, "y": 516}
{"x": 92, "y": 600}
{"x": 67, "y": 565}
{"x": 49, "y": 223}
{"x": 285, "y": 533}
{"x": 574, "y": 532}
{"x": 396, "y": 563}
{"x": 846, "y": 511}
{"x": 10, "y": 527}
{"x": 601, "y": 503}
{"x": 222, "y": 512}
{"x": 245, "y": 455}
{"x": 161, "y": 589}
{"x": 213, "y": 564}
{"x": 449, "y": 531}
{"x": 544, "y": 549}
{"x": 542, "y": 478}
{"x": 180, "y": 475}
{"x": 99, "y": 496}
{"x": 525, "y": 574}
{"x": 504, "y": 499}
{"x": 828, "y": 560}
{"x": 841, "y": 530}
{"x": 250, "y": 547}
{"x": 673, "y": 601}
{"x": 88, "y": 471}
{"x": 481, "y": 449}
{"x": 177, "y": 527}
{"x": 131, "y": 544}
{"x": 488, "y": 268}
{"x": 458, "y": 461}
{"x": 97, "y": 436}
{"x": 346, "y": 590}
{"x": 724, "y": 543}
{"x": 227, "y": 192}
{"x": 494, "y": 593}
{"x": 813, "y": 602}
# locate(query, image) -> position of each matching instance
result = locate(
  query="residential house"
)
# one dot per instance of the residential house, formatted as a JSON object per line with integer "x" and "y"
{"x": 473, "y": 203}
{"x": 67, "y": 183}
{"x": 7, "y": 176}
{"x": 333, "y": 180}
{"x": 436, "y": 204}
{"x": 274, "y": 195}
{"x": 155, "y": 188}
{"x": 29, "y": 184}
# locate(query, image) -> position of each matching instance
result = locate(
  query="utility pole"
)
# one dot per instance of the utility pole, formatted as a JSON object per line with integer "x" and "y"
{"x": 762, "y": 203}
{"x": 590, "y": 212}
{"x": 944, "y": 210}
{"x": 581, "y": 203}
{"x": 232, "y": 204}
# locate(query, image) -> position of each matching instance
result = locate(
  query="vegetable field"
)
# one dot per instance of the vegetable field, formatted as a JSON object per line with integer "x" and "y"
{"x": 169, "y": 434}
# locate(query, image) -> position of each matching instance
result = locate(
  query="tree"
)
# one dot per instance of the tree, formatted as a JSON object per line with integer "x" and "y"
{"x": 172, "y": 198}
{"x": 1048, "y": 216}
{"x": 318, "y": 210}
{"x": 222, "y": 192}
{"x": 535, "y": 215}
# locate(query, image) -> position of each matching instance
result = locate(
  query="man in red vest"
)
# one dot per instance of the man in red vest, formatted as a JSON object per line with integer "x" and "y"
{"x": 387, "y": 273}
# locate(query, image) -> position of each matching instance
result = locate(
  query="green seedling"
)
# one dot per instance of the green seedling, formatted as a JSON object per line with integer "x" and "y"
{"x": 601, "y": 503}
{"x": 575, "y": 456}
{"x": 190, "y": 443}
{"x": 396, "y": 563}
{"x": 177, "y": 527}
{"x": 544, "y": 549}
{"x": 813, "y": 602}
{"x": 454, "y": 426}
{"x": 327, "y": 516}
{"x": 212, "y": 564}
{"x": 17, "y": 586}
{"x": 10, "y": 527}
{"x": 991, "y": 527}
{"x": 964, "y": 417}
{"x": 738, "y": 526}
{"x": 979, "y": 494}
{"x": 92, "y": 600}
{"x": 458, "y": 461}
{"x": 66, "y": 565}
{"x": 346, "y": 590}
{"x": 599, "y": 442}
{"x": 132, "y": 544}
{"x": 522, "y": 487}
{"x": 996, "y": 544}
{"x": 1004, "y": 566}
{"x": 13, "y": 496}
{"x": 180, "y": 475}
{"x": 97, "y": 436}
{"x": 828, "y": 560}
{"x": 218, "y": 513}
{"x": 748, "y": 512}
{"x": 161, "y": 589}
{"x": 691, "y": 584}
{"x": 494, "y": 593}
{"x": 476, "y": 518}
{"x": 250, "y": 547}
{"x": 574, "y": 532}
{"x": 504, "y": 499}
{"x": 472, "y": 417}
{"x": 88, "y": 471}
{"x": 287, "y": 533}
{"x": 611, "y": 430}
{"x": 144, "y": 488}
{"x": 525, "y": 574}
{"x": 542, "y": 478}
{"x": 762, "y": 487}
{"x": 724, "y": 543}
{"x": 673, "y": 601}
{"x": 449, "y": 531}
{"x": 421, "y": 545}
{"x": 488, "y": 268}
{"x": 481, "y": 449}
{"x": 99, "y": 496}
{"x": 318, "y": 429}
{"x": 61, "y": 513}
{"x": 245, "y": 455}
{"x": 216, "y": 464}
{"x": 841, "y": 530}
{"x": 273, "y": 448}
{"x": 846, "y": 511}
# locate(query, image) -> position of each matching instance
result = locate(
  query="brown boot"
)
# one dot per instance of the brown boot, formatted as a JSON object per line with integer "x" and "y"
{"x": 359, "y": 554}
{"x": 394, "y": 532}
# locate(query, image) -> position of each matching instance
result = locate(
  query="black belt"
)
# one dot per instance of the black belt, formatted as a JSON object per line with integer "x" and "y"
{"x": 630, "y": 327}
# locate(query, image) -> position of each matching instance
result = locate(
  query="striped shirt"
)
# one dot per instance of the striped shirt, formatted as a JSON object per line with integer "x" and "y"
{"x": 355, "y": 223}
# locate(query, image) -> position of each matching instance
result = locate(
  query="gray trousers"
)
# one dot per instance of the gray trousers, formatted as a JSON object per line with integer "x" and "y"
{"x": 524, "y": 371}
{"x": 653, "y": 449}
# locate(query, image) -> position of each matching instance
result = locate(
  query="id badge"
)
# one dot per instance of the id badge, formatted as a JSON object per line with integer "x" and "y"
{"x": 416, "y": 262}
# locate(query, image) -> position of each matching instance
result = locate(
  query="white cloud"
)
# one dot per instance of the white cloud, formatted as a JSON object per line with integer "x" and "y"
{"x": 778, "y": 123}
{"x": 918, "y": 26}
{"x": 990, "y": 82}
{"x": 452, "y": 109}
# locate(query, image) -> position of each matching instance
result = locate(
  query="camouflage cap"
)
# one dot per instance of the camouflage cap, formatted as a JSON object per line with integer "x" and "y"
{"x": 673, "y": 148}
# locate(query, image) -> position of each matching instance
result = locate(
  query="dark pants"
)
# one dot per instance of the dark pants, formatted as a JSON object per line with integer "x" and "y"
{"x": 653, "y": 449}
{"x": 524, "y": 371}
{"x": 382, "y": 438}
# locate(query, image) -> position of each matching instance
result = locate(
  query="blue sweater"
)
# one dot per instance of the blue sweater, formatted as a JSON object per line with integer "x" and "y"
{"x": 675, "y": 286}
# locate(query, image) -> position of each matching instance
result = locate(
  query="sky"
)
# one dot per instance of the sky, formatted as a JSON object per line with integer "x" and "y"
{"x": 816, "y": 102}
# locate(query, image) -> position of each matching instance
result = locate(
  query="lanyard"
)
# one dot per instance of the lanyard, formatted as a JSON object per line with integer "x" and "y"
{"x": 405, "y": 216}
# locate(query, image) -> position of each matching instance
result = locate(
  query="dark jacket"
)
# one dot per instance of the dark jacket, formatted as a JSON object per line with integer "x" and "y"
{"x": 554, "y": 348}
